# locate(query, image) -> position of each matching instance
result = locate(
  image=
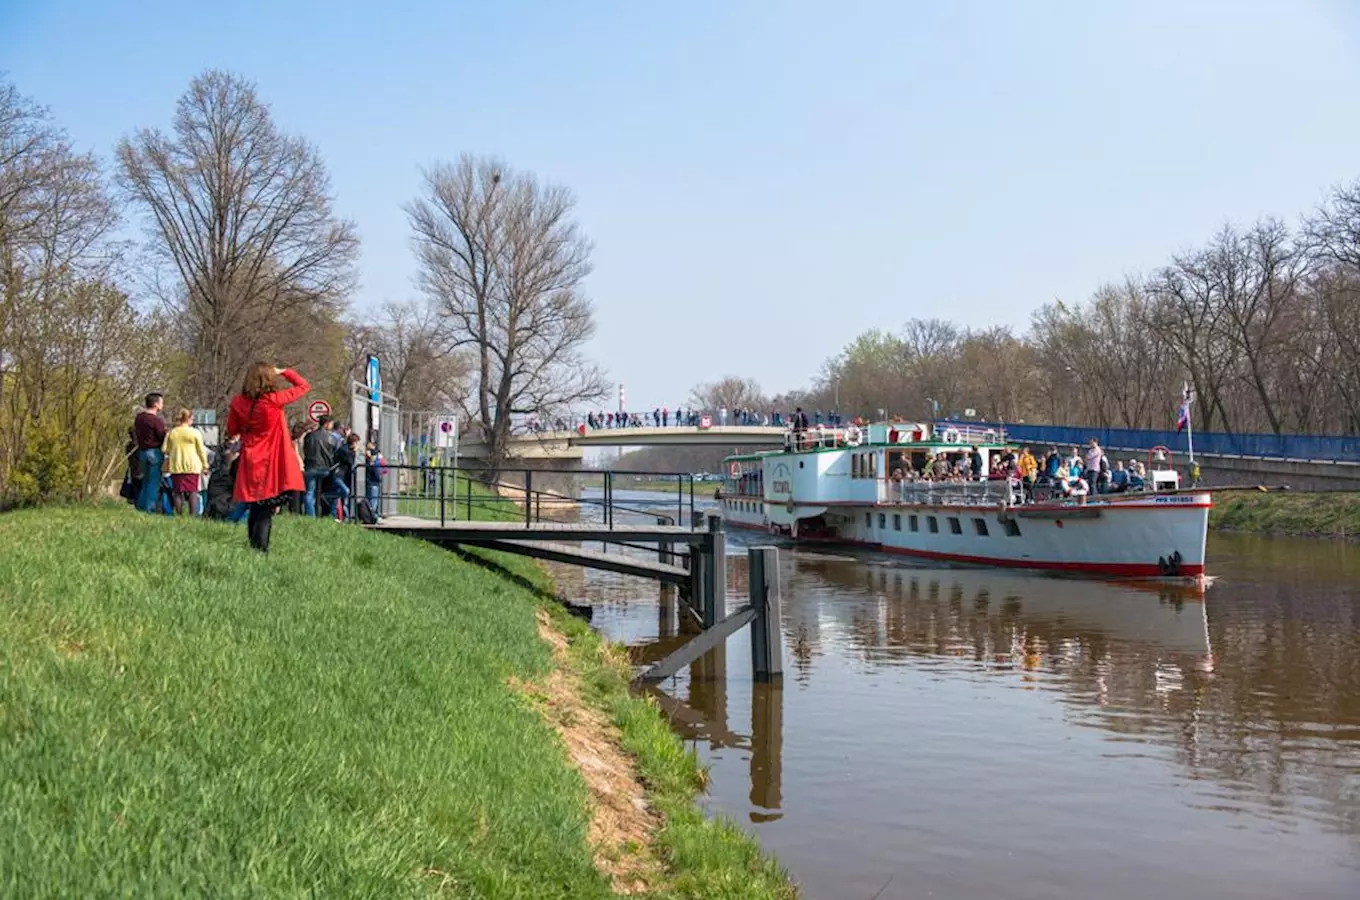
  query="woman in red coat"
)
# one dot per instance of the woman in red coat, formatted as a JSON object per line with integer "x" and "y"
{"x": 268, "y": 468}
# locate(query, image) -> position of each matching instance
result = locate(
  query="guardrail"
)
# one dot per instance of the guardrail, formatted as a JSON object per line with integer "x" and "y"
{"x": 1300, "y": 447}
{"x": 446, "y": 493}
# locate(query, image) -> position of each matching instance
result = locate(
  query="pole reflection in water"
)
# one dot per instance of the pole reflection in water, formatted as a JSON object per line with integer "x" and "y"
{"x": 986, "y": 733}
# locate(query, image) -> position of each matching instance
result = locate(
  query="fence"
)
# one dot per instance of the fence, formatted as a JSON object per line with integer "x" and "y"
{"x": 1213, "y": 443}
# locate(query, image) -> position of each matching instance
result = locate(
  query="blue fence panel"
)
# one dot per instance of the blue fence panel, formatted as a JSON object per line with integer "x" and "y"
{"x": 1264, "y": 446}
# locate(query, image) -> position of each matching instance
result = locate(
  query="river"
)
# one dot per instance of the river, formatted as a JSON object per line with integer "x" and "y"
{"x": 961, "y": 733}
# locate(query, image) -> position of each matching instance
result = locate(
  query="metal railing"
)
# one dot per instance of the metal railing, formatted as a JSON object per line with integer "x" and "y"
{"x": 447, "y": 493}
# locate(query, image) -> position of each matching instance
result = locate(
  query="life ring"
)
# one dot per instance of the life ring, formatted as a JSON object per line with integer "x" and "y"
{"x": 853, "y": 436}
{"x": 951, "y": 435}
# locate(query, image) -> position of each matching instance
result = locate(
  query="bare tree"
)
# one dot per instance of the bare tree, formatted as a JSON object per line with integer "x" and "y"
{"x": 504, "y": 262}
{"x": 241, "y": 213}
{"x": 419, "y": 368}
{"x": 73, "y": 349}
{"x": 730, "y": 392}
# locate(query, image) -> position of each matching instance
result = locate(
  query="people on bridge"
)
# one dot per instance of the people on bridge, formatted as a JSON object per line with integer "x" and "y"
{"x": 268, "y": 468}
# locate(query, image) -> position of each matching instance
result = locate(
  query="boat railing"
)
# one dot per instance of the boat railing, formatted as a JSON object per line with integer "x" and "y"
{"x": 965, "y": 433}
{"x": 822, "y": 437}
{"x": 992, "y": 492}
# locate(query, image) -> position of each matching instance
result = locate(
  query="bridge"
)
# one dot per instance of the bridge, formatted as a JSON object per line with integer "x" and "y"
{"x": 571, "y": 445}
{"x": 1303, "y": 461}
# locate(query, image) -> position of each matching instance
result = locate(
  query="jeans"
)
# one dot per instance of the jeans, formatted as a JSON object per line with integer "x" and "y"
{"x": 311, "y": 479}
{"x": 335, "y": 487}
{"x": 373, "y": 491}
{"x": 149, "y": 496}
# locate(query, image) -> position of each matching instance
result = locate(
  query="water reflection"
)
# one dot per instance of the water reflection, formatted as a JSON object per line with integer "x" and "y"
{"x": 976, "y": 732}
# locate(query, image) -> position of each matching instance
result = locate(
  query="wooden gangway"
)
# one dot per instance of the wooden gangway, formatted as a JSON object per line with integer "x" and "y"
{"x": 560, "y": 542}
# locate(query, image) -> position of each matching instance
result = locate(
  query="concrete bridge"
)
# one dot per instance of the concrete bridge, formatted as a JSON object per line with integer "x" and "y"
{"x": 571, "y": 445}
{"x": 564, "y": 450}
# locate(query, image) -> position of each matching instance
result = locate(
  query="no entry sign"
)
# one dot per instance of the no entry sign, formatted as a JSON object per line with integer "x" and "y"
{"x": 318, "y": 408}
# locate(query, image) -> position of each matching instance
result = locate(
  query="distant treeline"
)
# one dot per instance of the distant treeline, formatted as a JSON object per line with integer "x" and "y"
{"x": 1263, "y": 322}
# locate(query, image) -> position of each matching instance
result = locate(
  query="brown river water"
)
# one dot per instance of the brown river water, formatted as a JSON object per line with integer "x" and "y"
{"x": 960, "y": 733}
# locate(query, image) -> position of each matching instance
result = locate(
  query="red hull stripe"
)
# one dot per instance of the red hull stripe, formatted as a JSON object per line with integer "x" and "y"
{"x": 1116, "y": 570}
{"x": 1046, "y": 507}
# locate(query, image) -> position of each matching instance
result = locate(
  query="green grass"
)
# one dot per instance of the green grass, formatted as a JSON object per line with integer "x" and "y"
{"x": 1333, "y": 514}
{"x": 710, "y": 858}
{"x": 180, "y": 716}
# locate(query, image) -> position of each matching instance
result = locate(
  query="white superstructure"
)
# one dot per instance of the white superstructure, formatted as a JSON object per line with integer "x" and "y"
{"x": 878, "y": 486}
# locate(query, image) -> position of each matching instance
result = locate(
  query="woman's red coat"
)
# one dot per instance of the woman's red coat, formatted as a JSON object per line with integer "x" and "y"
{"x": 269, "y": 464}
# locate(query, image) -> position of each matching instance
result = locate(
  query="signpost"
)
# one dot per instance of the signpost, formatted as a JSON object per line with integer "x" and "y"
{"x": 705, "y": 422}
{"x": 316, "y": 409}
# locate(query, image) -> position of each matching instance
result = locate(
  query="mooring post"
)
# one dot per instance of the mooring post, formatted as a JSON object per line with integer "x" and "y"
{"x": 715, "y": 570}
{"x": 698, "y": 578}
{"x": 663, "y": 548}
{"x": 767, "y": 661}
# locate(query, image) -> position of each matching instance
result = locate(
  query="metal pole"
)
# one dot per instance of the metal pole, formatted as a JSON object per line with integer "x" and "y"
{"x": 528, "y": 496}
{"x": 716, "y": 571}
{"x": 469, "y": 497}
{"x": 679, "y": 499}
{"x": 441, "y": 500}
{"x": 663, "y": 547}
{"x": 766, "y": 647}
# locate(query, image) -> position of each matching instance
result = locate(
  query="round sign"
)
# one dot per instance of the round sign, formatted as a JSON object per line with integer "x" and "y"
{"x": 318, "y": 408}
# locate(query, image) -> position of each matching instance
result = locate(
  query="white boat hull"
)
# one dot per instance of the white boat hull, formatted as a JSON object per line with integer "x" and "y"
{"x": 1157, "y": 536}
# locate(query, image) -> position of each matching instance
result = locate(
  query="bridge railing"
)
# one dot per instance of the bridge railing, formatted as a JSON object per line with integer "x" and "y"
{"x": 1305, "y": 447}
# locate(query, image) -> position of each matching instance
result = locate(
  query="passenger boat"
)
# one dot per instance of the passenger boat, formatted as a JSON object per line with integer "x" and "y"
{"x": 842, "y": 485}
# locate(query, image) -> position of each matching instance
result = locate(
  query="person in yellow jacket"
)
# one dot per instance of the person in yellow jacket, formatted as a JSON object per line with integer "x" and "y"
{"x": 186, "y": 458}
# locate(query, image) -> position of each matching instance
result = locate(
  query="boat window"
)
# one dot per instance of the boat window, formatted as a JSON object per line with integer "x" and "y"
{"x": 955, "y": 526}
{"x": 914, "y": 523}
{"x": 981, "y": 526}
{"x": 882, "y": 520}
{"x": 897, "y": 522}
{"x": 868, "y": 521}
{"x": 1011, "y": 527}
{"x": 933, "y": 524}
{"x": 854, "y": 465}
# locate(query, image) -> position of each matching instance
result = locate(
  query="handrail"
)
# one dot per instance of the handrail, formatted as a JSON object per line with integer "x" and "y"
{"x": 433, "y": 482}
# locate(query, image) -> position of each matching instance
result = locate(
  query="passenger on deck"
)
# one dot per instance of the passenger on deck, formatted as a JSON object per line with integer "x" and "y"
{"x": 1119, "y": 479}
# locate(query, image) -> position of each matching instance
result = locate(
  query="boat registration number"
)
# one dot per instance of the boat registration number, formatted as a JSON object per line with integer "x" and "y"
{"x": 780, "y": 487}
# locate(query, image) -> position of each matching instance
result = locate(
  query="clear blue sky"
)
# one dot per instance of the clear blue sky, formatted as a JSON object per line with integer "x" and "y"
{"x": 781, "y": 176}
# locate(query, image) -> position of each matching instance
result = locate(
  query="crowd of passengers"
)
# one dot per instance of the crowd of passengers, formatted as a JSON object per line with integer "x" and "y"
{"x": 1073, "y": 475}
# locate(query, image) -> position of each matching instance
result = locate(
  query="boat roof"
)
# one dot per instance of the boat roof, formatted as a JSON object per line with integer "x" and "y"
{"x": 967, "y": 437}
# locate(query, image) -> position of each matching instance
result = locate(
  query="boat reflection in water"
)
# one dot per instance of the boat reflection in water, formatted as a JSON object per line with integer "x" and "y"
{"x": 986, "y": 619}
{"x": 980, "y": 732}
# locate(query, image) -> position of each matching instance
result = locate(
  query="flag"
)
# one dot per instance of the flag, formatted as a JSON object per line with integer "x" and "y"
{"x": 1183, "y": 415}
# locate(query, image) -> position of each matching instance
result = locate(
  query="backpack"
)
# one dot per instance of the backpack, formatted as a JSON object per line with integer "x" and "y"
{"x": 364, "y": 513}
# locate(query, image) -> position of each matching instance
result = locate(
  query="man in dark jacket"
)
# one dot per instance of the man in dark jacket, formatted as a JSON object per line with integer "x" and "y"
{"x": 148, "y": 433}
{"x": 318, "y": 462}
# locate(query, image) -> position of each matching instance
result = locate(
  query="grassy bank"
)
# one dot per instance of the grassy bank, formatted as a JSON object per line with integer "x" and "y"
{"x": 1305, "y": 514}
{"x": 345, "y": 717}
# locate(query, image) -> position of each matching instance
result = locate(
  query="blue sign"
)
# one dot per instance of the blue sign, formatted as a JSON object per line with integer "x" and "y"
{"x": 374, "y": 380}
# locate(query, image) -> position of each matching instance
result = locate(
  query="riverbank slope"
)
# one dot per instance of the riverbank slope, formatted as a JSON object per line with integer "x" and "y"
{"x": 354, "y": 714}
{"x": 1331, "y": 514}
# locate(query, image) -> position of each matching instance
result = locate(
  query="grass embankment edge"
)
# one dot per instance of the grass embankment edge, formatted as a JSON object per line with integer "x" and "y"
{"x": 704, "y": 857}
{"x": 1332, "y": 514}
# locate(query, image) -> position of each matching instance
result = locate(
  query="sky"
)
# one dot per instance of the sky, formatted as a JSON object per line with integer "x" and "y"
{"x": 763, "y": 181}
